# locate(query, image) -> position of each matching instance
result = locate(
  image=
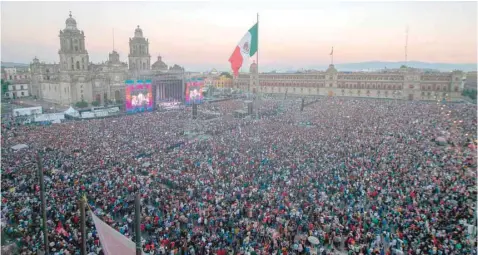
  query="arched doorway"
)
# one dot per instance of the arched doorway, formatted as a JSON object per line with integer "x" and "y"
{"x": 98, "y": 98}
{"x": 117, "y": 96}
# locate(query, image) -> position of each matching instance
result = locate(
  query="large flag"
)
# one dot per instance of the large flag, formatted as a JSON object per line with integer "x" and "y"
{"x": 112, "y": 241}
{"x": 246, "y": 48}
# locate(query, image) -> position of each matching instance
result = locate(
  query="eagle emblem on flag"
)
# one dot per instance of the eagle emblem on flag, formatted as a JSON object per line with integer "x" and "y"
{"x": 245, "y": 47}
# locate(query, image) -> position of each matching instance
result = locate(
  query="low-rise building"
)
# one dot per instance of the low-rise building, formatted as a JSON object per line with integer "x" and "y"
{"x": 222, "y": 82}
{"x": 15, "y": 74}
{"x": 17, "y": 91}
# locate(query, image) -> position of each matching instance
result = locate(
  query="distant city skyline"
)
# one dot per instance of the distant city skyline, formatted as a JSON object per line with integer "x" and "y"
{"x": 202, "y": 35}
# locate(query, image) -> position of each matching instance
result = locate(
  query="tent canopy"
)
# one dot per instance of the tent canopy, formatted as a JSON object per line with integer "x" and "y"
{"x": 19, "y": 147}
{"x": 71, "y": 111}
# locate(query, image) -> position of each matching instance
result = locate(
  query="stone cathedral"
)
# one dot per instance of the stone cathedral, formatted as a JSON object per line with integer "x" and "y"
{"x": 75, "y": 78}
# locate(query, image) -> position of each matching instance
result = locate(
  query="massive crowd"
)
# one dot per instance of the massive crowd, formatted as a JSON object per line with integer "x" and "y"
{"x": 362, "y": 176}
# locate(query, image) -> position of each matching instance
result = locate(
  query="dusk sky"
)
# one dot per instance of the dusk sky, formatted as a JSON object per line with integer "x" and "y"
{"x": 202, "y": 35}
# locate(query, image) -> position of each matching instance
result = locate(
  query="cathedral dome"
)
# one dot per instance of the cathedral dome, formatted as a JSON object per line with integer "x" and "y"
{"x": 70, "y": 23}
{"x": 138, "y": 32}
{"x": 160, "y": 65}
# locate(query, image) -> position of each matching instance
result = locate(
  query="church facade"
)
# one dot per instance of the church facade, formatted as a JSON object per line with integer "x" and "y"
{"x": 404, "y": 83}
{"x": 75, "y": 78}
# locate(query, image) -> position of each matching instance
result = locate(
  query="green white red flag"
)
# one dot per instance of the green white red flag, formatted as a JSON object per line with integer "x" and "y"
{"x": 245, "y": 49}
{"x": 112, "y": 241}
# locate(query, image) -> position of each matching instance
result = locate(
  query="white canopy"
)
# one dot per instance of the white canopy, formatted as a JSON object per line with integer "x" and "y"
{"x": 72, "y": 112}
{"x": 19, "y": 147}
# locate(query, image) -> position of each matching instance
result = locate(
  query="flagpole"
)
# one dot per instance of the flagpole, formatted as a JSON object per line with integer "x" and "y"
{"x": 43, "y": 202}
{"x": 257, "y": 53}
{"x": 137, "y": 223}
{"x": 83, "y": 226}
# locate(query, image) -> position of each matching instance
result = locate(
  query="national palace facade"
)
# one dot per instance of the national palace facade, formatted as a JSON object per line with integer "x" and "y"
{"x": 404, "y": 83}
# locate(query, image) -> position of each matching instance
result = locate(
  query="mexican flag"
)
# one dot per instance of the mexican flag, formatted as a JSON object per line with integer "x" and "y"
{"x": 245, "y": 49}
{"x": 112, "y": 241}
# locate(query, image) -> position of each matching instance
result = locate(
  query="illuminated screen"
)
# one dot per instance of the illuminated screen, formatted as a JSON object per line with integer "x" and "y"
{"x": 194, "y": 91}
{"x": 139, "y": 96}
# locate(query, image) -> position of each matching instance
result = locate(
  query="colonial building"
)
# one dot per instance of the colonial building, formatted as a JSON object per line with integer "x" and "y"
{"x": 76, "y": 79}
{"x": 404, "y": 83}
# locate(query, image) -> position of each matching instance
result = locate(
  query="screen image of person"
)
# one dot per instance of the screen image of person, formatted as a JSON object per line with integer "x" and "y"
{"x": 194, "y": 95}
{"x": 134, "y": 100}
{"x": 140, "y": 99}
{"x": 146, "y": 99}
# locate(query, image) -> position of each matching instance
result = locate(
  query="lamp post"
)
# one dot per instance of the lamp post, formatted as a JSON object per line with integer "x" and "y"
{"x": 43, "y": 202}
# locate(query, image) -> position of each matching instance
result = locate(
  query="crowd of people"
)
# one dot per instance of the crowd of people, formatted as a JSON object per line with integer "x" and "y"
{"x": 361, "y": 176}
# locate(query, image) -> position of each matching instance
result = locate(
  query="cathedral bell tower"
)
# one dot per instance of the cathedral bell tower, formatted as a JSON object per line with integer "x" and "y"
{"x": 139, "y": 58}
{"x": 73, "y": 55}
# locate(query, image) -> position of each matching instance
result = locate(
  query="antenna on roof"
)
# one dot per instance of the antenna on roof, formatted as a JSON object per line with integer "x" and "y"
{"x": 113, "y": 39}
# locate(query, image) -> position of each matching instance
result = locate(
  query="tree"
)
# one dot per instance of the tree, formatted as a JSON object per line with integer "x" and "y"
{"x": 228, "y": 75}
{"x": 81, "y": 104}
{"x": 4, "y": 87}
{"x": 95, "y": 103}
{"x": 471, "y": 93}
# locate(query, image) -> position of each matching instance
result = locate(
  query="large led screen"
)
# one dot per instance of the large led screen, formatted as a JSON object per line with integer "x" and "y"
{"x": 194, "y": 91}
{"x": 139, "y": 96}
